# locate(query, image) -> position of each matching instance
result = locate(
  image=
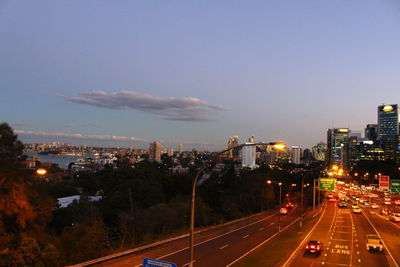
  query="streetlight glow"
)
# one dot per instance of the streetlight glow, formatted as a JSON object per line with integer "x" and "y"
{"x": 41, "y": 171}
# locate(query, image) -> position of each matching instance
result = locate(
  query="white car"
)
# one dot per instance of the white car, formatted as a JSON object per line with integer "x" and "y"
{"x": 394, "y": 217}
{"x": 356, "y": 210}
{"x": 374, "y": 242}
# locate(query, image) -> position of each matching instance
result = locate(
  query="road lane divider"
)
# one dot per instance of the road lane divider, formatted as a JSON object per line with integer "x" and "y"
{"x": 393, "y": 261}
{"x": 291, "y": 257}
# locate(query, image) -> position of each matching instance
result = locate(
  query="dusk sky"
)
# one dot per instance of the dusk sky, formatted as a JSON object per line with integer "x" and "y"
{"x": 196, "y": 72}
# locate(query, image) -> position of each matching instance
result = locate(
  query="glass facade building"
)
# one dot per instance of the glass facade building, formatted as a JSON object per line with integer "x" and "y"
{"x": 388, "y": 122}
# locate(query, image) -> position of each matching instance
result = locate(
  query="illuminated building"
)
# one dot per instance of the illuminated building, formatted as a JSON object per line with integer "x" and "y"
{"x": 277, "y": 152}
{"x": 319, "y": 151}
{"x": 337, "y": 147}
{"x": 388, "y": 122}
{"x": 155, "y": 152}
{"x": 248, "y": 154}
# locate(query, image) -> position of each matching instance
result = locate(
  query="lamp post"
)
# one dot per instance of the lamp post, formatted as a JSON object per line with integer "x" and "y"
{"x": 280, "y": 202}
{"x": 192, "y": 206}
{"x": 302, "y": 194}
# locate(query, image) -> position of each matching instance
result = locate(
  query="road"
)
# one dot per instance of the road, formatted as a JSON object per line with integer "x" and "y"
{"x": 217, "y": 247}
{"x": 343, "y": 234}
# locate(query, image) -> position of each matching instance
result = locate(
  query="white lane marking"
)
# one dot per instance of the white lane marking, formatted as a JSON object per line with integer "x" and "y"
{"x": 387, "y": 249}
{"x": 187, "y": 264}
{"x": 271, "y": 224}
{"x": 224, "y": 246}
{"x": 262, "y": 243}
{"x": 246, "y": 236}
{"x": 291, "y": 257}
{"x": 262, "y": 228}
{"x": 215, "y": 237}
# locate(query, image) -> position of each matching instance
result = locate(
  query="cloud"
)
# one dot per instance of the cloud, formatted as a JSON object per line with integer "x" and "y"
{"x": 169, "y": 108}
{"x": 80, "y": 136}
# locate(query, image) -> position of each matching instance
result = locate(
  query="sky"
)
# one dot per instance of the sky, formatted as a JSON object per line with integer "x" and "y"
{"x": 126, "y": 73}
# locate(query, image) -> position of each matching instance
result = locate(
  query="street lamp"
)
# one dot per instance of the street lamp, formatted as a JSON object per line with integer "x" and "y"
{"x": 280, "y": 202}
{"x": 41, "y": 172}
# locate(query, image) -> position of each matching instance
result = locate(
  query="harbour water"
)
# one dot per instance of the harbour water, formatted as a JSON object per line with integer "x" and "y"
{"x": 62, "y": 160}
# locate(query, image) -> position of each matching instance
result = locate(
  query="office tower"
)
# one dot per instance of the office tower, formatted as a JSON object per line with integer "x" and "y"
{"x": 295, "y": 154}
{"x": 319, "y": 151}
{"x": 155, "y": 152}
{"x": 388, "y": 122}
{"x": 336, "y": 152}
{"x": 248, "y": 154}
{"x": 371, "y": 132}
{"x": 180, "y": 148}
{"x": 277, "y": 152}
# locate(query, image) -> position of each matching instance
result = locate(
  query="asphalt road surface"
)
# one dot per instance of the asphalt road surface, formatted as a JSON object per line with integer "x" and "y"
{"x": 343, "y": 235}
{"x": 214, "y": 248}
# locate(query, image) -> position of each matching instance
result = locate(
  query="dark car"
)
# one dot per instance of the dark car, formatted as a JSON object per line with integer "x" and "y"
{"x": 314, "y": 247}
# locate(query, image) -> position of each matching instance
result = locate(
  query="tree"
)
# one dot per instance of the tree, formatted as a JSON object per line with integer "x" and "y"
{"x": 10, "y": 147}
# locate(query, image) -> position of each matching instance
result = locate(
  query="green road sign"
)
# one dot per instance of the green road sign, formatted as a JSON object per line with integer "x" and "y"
{"x": 395, "y": 186}
{"x": 327, "y": 184}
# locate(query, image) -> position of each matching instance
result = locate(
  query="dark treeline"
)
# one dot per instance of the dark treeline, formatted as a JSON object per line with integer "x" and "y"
{"x": 139, "y": 205}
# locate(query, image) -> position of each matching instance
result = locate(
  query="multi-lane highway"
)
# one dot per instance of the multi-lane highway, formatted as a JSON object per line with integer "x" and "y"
{"x": 218, "y": 247}
{"x": 343, "y": 234}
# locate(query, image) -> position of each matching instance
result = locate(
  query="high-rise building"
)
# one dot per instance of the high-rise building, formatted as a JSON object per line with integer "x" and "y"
{"x": 180, "y": 148}
{"x": 319, "y": 151}
{"x": 251, "y": 139}
{"x": 388, "y": 122}
{"x": 295, "y": 154}
{"x": 337, "y": 139}
{"x": 371, "y": 132}
{"x": 155, "y": 152}
{"x": 248, "y": 154}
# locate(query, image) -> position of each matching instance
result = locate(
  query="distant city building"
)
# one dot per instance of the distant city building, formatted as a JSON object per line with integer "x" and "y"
{"x": 248, "y": 154}
{"x": 388, "y": 122}
{"x": 251, "y": 139}
{"x": 277, "y": 152}
{"x": 233, "y": 141}
{"x": 371, "y": 132}
{"x": 337, "y": 153}
{"x": 319, "y": 151}
{"x": 180, "y": 148}
{"x": 155, "y": 152}
{"x": 295, "y": 154}
{"x": 170, "y": 152}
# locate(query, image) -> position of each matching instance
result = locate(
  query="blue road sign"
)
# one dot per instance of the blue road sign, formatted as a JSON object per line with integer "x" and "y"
{"x": 157, "y": 263}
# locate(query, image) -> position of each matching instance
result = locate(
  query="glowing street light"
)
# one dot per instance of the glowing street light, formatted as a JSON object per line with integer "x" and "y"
{"x": 41, "y": 171}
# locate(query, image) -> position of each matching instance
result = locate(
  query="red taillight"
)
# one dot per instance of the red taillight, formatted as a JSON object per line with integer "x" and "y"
{"x": 318, "y": 248}
{"x": 307, "y": 247}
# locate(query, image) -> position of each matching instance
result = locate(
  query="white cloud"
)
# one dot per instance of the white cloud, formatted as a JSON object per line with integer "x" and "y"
{"x": 80, "y": 136}
{"x": 169, "y": 108}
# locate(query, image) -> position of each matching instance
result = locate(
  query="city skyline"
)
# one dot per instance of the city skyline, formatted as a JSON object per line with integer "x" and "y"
{"x": 195, "y": 73}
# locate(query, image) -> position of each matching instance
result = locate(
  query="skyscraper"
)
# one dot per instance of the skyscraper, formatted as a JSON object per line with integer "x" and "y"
{"x": 295, "y": 154}
{"x": 155, "y": 152}
{"x": 319, "y": 151}
{"x": 248, "y": 154}
{"x": 388, "y": 122}
{"x": 337, "y": 139}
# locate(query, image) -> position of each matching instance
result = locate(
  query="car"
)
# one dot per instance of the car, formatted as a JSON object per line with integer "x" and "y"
{"x": 290, "y": 205}
{"x": 387, "y": 202}
{"x": 374, "y": 242}
{"x": 332, "y": 199}
{"x": 314, "y": 246}
{"x": 385, "y": 211}
{"x": 342, "y": 204}
{"x": 283, "y": 211}
{"x": 387, "y": 199}
{"x": 357, "y": 210}
{"x": 374, "y": 206}
{"x": 354, "y": 205}
{"x": 330, "y": 195}
{"x": 397, "y": 202}
{"x": 362, "y": 201}
{"x": 394, "y": 217}
{"x": 366, "y": 203}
